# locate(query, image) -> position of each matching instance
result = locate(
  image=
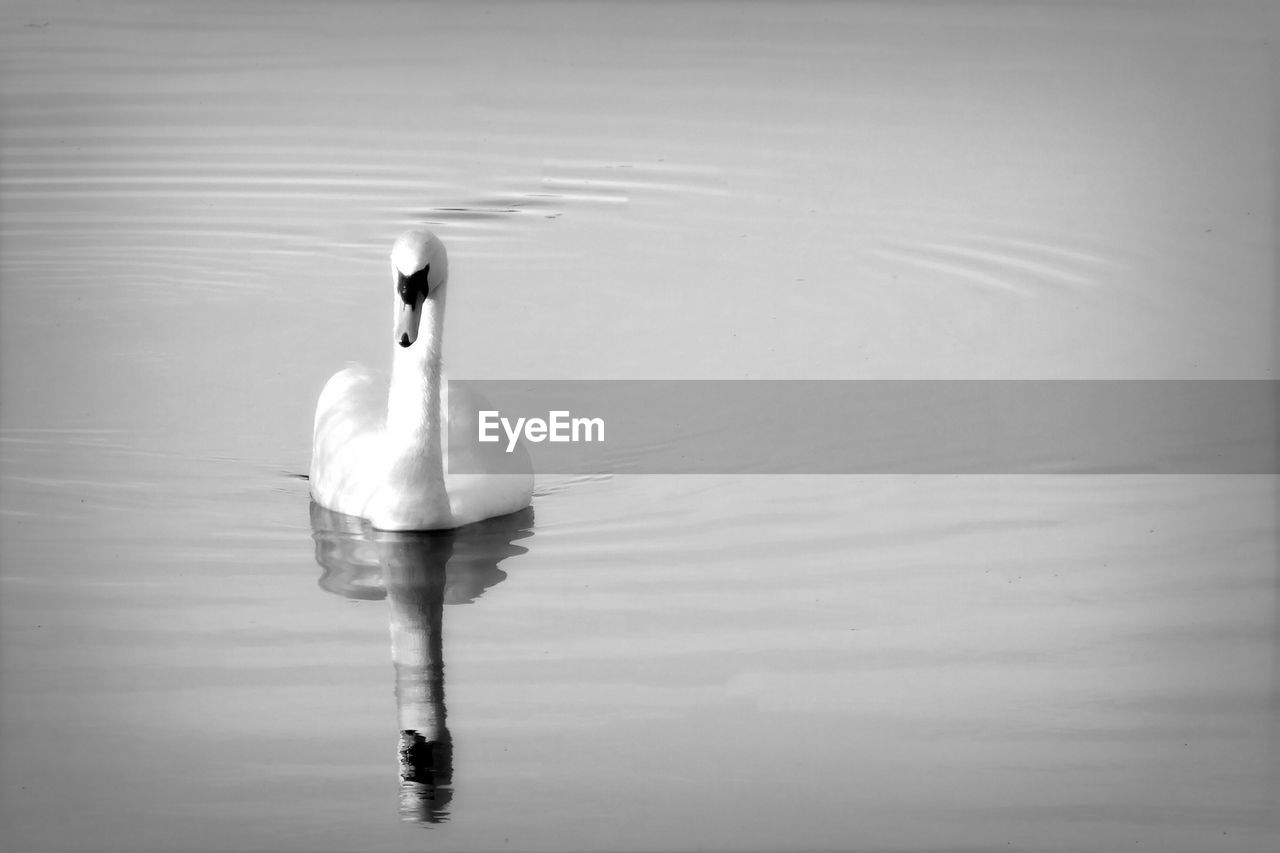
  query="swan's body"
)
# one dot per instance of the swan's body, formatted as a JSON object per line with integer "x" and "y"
{"x": 381, "y": 451}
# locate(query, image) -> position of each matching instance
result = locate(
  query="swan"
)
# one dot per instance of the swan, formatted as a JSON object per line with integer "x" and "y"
{"x": 381, "y": 451}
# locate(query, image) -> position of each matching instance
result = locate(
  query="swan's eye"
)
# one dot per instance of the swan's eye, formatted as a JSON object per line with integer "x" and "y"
{"x": 411, "y": 286}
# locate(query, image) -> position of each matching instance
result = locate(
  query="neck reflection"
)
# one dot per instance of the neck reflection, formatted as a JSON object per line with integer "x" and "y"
{"x": 418, "y": 574}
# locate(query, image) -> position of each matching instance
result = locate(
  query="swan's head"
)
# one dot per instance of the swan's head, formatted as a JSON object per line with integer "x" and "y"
{"x": 419, "y": 267}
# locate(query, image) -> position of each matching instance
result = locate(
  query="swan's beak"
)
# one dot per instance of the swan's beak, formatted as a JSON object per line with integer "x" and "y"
{"x": 407, "y": 319}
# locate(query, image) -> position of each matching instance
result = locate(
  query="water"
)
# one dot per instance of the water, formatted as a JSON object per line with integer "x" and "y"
{"x": 197, "y": 206}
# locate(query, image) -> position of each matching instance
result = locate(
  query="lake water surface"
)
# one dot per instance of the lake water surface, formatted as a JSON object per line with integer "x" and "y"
{"x": 197, "y": 202}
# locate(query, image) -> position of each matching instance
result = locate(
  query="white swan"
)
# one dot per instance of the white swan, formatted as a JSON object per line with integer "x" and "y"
{"x": 382, "y": 452}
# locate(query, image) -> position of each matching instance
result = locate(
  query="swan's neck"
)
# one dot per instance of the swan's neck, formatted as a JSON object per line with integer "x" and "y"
{"x": 413, "y": 405}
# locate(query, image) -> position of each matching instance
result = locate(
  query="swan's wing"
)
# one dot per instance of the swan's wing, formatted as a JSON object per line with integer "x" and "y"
{"x": 349, "y": 417}
{"x": 462, "y": 403}
{"x": 486, "y": 490}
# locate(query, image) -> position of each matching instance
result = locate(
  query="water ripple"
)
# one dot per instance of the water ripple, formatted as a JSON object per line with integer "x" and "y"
{"x": 996, "y": 262}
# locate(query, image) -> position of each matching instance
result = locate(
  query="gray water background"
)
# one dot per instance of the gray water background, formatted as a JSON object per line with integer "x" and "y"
{"x": 196, "y": 202}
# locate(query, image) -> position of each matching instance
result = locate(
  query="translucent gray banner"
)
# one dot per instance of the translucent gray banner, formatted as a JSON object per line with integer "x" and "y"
{"x": 869, "y": 427}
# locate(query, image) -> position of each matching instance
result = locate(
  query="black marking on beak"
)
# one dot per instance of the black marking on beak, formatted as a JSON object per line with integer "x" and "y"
{"x": 410, "y": 287}
{"x": 404, "y": 340}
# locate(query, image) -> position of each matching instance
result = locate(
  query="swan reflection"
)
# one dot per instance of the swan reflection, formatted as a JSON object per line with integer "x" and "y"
{"x": 417, "y": 573}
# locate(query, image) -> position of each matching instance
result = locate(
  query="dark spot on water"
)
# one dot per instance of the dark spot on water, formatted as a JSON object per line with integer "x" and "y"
{"x": 499, "y": 206}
